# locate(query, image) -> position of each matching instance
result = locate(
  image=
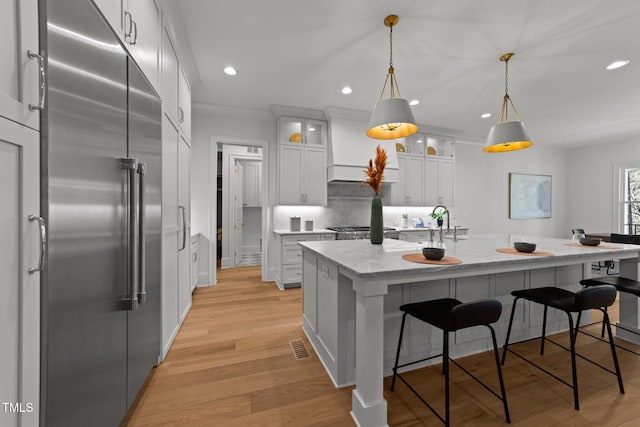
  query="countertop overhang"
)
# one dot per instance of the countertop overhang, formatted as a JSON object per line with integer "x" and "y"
{"x": 362, "y": 259}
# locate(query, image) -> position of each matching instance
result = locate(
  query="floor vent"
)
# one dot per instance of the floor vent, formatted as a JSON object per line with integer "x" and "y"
{"x": 299, "y": 349}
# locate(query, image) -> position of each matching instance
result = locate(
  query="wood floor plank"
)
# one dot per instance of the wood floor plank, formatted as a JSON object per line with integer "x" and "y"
{"x": 231, "y": 365}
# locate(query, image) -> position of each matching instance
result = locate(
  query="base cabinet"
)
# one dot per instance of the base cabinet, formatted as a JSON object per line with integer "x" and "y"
{"x": 290, "y": 257}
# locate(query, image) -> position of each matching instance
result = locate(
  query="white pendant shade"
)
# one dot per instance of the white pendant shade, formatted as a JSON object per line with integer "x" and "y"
{"x": 392, "y": 118}
{"x": 507, "y": 136}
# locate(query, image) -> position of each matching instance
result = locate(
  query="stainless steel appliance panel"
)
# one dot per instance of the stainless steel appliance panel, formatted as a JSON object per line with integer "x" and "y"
{"x": 85, "y": 281}
{"x": 145, "y": 145}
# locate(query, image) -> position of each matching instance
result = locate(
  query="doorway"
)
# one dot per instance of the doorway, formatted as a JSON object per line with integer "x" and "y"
{"x": 240, "y": 207}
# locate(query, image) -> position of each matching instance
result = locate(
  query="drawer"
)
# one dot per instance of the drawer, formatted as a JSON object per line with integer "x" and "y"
{"x": 292, "y": 255}
{"x": 293, "y": 240}
{"x": 291, "y": 273}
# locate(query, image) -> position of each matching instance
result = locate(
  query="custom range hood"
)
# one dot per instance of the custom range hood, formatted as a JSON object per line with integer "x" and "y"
{"x": 350, "y": 149}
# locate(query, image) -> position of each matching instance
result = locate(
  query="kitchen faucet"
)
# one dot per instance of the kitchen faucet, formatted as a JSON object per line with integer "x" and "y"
{"x": 446, "y": 211}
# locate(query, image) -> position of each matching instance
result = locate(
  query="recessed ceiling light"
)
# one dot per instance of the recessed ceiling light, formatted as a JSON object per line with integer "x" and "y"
{"x": 230, "y": 71}
{"x": 617, "y": 64}
{"x": 346, "y": 90}
{"x": 414, "y": 102}
{"x": 486, "y": 115}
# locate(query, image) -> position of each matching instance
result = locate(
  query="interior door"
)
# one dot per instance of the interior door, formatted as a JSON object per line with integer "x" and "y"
{"x": 238, "y": 187}
{"x": 19, "y": 284}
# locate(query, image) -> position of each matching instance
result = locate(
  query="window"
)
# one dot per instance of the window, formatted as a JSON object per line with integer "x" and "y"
{"x": 629, "y": 198}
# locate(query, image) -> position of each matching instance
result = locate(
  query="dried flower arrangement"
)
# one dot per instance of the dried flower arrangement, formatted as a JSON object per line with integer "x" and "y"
{"x": 374, "y": 172}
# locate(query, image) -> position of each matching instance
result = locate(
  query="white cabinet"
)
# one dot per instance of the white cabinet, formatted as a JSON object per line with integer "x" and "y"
{"x": 176, "y": 91}
{"x": 143, "y": 17}
{"x": 184, "y": 104}
{"x": 439, "y": 182}
{"x": 302, "y": 161}
{"x": 176, "y": 243}
{"x": 170, "y": 73}
{"x": 21, "y": 73}
{"x": 137, "y": 24}
{"x": 21, "y": 253}
{"x": 252, "y": 184}
{"x": 290, "y": 255}
{"x": 427, "y": 178}
{"x": 408, "y": 191}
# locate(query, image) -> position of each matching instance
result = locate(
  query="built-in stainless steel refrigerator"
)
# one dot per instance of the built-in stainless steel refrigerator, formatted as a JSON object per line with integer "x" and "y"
{"x": 101, "y": 198}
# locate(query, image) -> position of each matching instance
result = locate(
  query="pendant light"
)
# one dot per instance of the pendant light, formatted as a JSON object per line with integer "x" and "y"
{"x": 507, "y": 135}
{"x": 392, "y": 117}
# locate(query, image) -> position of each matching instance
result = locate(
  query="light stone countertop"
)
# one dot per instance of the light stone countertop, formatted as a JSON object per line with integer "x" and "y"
{"x": 314, "y": 231}
{"x": 363, "y": 259}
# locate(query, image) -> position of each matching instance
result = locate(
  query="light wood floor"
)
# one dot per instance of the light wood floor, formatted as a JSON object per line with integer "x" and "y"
{"x": 231, "y": 365}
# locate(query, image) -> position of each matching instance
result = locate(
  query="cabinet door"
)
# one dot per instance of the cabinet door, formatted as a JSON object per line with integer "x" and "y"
{"x": 19, "y": 285}
{"x": 315, "y": 176}
{"x": 431, "y": 182}
{"x": 170, "y": 244}
{"x": 315, "y": 133}
{"x": 290, "y": 174}
{"x": 19, "y": 73}
{"x": 184, "y": 224}
{"x": 251, "y": 183}
{"x": 170, "y": 71}
{"x": 446, "y": 182}
{"x": 414, "y": 181}
{"x": 113, "y": 13}
{"x": 399, "y": 189}
{"x": 184, "y": 104}
{"x": 144, "y": 41}
{"x": 290, "y": 130}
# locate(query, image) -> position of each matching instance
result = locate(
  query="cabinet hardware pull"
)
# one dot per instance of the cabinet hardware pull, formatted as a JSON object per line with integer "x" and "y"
{"x": 180, "y": 115}
{"x": 42, "y": 79}
{"x": 43, "y": 242}
{"x": 135, "y": 32}
{"x": 127, "y": 34}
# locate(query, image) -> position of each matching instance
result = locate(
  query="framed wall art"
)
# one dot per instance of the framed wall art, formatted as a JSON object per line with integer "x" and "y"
{"x": 529, "y": 196}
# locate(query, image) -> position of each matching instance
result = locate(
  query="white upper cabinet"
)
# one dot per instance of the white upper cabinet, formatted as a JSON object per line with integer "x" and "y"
{"x": 170, "y": 73}
{"x": 184, "y": 104}
{"x": 22, "y": 74}
{"x": 176, "y": 91}
{"x": 302, "y": 161}
{"x": 142, "y": 34}
{"x": 137, "y": 24}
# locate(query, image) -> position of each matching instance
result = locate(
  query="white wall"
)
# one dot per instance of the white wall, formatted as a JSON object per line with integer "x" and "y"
{"x": 482, "y": 189}
{"x": 223, "y": 122}
{"x": 591, "y": 180}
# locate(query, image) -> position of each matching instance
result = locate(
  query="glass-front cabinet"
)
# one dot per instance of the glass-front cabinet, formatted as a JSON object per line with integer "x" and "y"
{"x": 302, "y": 161}
{"x": 303, "y": 131}
{"x": 427, "y": 171}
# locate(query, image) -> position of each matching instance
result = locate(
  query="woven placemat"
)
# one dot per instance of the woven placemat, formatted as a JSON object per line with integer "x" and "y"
{"x": 600, "y": 246}
{"x": 445, "y": 260}
{"x": 515, "y": 252}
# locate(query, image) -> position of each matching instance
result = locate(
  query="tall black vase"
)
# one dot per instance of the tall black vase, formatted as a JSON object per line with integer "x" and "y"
{"x": 376, "y": 229}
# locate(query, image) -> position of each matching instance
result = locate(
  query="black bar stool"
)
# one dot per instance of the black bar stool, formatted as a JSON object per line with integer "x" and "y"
{"x": 622, "y": 285}
{"x": 450, "y": 315}
{"x": 596, "y": 297}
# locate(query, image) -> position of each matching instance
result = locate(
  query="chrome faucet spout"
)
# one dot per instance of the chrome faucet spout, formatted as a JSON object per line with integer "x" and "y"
{"x": 446, "y": 212}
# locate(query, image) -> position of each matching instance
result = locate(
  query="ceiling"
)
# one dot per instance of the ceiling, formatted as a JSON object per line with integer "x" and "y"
{"x": 445, "y": 52}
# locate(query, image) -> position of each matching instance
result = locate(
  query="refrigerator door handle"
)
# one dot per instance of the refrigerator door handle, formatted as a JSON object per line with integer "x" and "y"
{"x": 142, "y": 288}
{"x": 43, "y": 242}
{"x": 131, "y": 166}
{"x": 184, "y": 227}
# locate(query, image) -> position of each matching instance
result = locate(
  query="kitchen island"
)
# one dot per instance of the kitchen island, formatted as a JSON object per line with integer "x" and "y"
{"x": 352, "y": 291}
